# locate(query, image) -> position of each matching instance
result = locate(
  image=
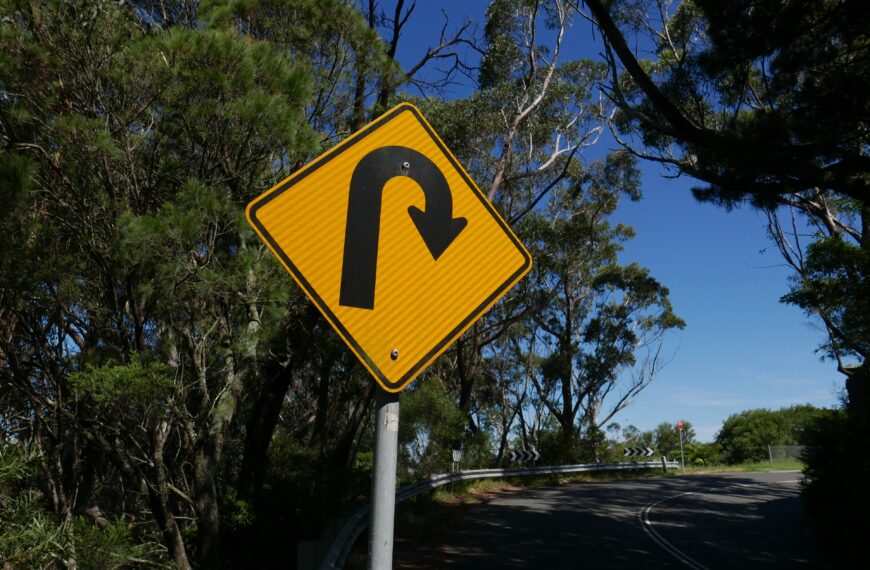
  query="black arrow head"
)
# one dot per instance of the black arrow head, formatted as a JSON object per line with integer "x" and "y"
{"x": 437, "y": 231}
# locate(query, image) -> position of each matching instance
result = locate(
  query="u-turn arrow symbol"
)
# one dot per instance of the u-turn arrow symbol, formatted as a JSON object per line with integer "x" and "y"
{"x": 436, "y": 224}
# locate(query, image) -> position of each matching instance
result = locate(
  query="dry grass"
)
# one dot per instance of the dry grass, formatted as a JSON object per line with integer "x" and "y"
{"x": 787, "y": 465}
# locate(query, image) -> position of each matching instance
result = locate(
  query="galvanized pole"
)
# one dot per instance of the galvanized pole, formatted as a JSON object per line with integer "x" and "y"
{"x": 682, "y": 456}
{"x": 383, "y": 503}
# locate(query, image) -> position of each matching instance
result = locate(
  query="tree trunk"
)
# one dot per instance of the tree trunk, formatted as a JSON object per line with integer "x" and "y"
{"x": 858, "y": 391}
{"x": 858, "y": 383}
{"x": 207, "y": 465}
{"x": 259, "y": 432}
{"x": 566, "y": 419}
{"x": 466, "y": 371}
{"x": 158, "y": 497}
{"x": 344, "y": 449}
{"x": 318, "y": 435}
{"x": 206, "y": 500}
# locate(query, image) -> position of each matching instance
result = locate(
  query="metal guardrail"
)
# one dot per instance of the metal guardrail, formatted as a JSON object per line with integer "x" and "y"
{"x": 344, "y": 541}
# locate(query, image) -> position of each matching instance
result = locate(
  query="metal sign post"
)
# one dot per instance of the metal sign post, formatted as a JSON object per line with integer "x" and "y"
{"x": 682, "y": 456}
{"x": 383, "y": 503}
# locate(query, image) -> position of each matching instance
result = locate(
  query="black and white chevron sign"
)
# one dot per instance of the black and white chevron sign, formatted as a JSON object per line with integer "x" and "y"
{"x": 634, "y": 451}
{"x": 525, "y": 455}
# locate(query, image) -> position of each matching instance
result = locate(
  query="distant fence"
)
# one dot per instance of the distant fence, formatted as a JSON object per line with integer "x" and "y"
{"x": 785, "y": 452}
{"x": 358, "y": 521}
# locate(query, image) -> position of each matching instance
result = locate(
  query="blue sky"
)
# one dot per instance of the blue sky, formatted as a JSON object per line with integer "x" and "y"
{"x": 741, "y": 348}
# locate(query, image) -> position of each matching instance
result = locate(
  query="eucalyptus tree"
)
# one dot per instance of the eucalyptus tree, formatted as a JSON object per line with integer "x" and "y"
{"x": 520, "y": 135}
{"x": 600, "y": 325}
{"x": 506, "y": 394}
{"x": 666, "y": 437}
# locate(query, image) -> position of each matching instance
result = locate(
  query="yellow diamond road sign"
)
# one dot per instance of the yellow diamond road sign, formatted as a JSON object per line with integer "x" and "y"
{"x": 390, "y": 238}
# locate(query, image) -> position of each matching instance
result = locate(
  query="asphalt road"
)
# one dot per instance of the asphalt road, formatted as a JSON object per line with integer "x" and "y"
{"x": 742, "y": 520}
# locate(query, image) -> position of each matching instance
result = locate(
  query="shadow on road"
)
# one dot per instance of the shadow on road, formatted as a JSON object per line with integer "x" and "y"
{"x": 747, "y": 520}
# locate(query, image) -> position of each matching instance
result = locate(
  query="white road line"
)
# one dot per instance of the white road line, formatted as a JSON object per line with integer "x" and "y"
{"x": 646, "y": 525}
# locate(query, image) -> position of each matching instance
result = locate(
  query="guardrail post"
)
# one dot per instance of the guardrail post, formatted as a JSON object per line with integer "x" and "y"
{"x": 383, "y": 504}
{"x": 664, "y": 465}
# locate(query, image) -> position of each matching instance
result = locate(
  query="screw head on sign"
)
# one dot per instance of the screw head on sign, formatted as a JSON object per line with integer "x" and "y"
{"x": 395, "y": 354}
{"x": 406, "y": 165}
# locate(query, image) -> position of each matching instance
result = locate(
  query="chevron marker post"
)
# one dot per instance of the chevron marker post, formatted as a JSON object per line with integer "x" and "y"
{"x": 524, "y": 455}
{"x": 638, "y": 451}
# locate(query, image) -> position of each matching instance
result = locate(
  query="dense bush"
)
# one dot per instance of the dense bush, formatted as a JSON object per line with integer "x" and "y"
{"x": 702, "y": 454}
{"x": 34, "y": 537}
{"x": 745, "y": 436}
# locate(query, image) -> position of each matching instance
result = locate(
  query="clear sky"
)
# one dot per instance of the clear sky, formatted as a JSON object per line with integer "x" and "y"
{"x": 741, "y": 348}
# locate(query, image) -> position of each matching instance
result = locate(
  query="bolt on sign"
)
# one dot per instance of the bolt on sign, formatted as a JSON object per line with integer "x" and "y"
{"x": 393, "y": 242}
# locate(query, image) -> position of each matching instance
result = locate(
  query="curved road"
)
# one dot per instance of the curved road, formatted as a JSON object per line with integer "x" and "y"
{"x": 741, "y": 520}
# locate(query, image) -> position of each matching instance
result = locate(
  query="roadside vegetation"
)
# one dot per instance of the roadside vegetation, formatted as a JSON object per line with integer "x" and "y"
{"x": 482, "y": 490}
{"x": 783, "y": 465}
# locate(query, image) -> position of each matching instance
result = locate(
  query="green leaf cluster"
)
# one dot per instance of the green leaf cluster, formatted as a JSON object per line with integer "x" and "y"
{"x": 430, "y": 427}
{"x": 835, "y": 283}
{"x": 744, "y": 437}
{"x": 122, "y": 383}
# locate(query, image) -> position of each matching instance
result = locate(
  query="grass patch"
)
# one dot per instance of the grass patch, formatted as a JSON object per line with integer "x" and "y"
{"x": 470, "y": 492}
{"x": 785, "y": 465}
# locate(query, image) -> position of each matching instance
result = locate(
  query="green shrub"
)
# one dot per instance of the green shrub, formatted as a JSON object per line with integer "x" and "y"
{"x": 29, "y": 535}
{"x": 32, "y": 537}
{"x": 112, "y": 546}
{"x": 702, "y": 454}
{"x": 744, "y": 437}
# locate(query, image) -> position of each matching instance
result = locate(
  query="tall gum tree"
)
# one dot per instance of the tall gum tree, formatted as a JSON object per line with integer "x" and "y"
{"x": 519, "y": 135}
{"x": 599, "y": 326}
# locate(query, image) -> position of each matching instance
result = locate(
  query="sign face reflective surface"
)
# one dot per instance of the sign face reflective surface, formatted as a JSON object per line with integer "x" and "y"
{"x": 388, "y": 235}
